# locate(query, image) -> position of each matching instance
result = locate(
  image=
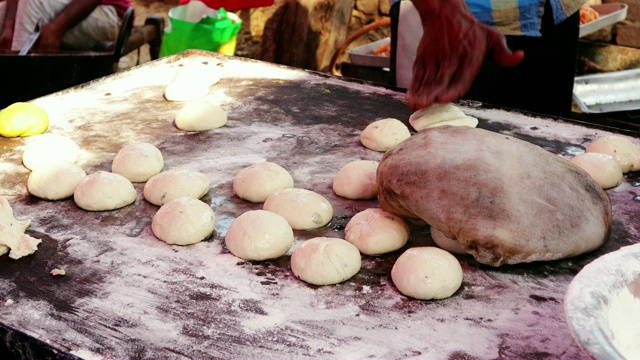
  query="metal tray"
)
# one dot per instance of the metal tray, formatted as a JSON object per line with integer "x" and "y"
{"x": 609, "y": 14}
{"x": 363, "y": 55}
{"x": 608, "y": 92}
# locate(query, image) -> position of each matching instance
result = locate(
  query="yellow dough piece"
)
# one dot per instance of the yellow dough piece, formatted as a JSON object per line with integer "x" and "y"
{"x": 23, "y": 119}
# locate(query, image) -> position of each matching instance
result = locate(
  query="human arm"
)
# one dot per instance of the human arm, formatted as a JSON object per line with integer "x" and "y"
{"x": 51, "y": 34}
{"x": 451, "y": 51}
{"x": 9, "y": 24}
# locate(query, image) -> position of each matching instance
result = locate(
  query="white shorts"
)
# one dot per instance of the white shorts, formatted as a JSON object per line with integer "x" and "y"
{"x": 102, "y": 25}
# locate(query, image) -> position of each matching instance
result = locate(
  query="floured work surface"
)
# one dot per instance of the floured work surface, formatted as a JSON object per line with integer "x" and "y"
{"x": 128, "y": 295}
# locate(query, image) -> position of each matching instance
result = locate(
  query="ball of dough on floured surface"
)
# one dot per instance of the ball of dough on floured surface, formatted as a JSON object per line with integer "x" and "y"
{"x": 175, "y": 183}
{"x": 47, "y": 148}
{"x": 375, "y": 232}
{"x": 385, "y": 134}
{"x": 200, "y": 116}
{"x": 183, "y": 221}
{"x": 604, "y": 169}
{"x": 182, "y": 90}
{"x": 256, "y": 182}
{"x": 357, "y": 180}
{"x": 56, "y": 180}
{"x": 426, "y": 273}
{"x": 436, "y": 113}
{"x": 102, "y": 191}
{"x": 325, "y": 261}
{"x": 259, "y": 235}
{"x": 446, "y": 243}
{"x": 623, "y": 150}
{"x": 138, "y": 162}
{"x": 303, "y": 209}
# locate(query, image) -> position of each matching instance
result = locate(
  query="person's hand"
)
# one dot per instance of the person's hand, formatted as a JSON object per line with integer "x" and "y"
{"x": 451, "y": 52}
{"x": 50, "y": 39}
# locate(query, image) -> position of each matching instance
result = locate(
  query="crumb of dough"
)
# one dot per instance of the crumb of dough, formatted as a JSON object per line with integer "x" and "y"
{"x": 58, "y": 272}
{"x": 9, "y": 302}
{"x": 12, "y": 236}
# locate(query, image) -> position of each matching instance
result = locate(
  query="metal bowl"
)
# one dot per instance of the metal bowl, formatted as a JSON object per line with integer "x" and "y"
{"x": 597, "y": 296}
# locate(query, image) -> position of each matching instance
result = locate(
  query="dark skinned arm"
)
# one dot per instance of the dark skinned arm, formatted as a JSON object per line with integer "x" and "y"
{"x": 52, "y": 32}
{"x": 451, "y": 52}
{"x": 9, "y": 23}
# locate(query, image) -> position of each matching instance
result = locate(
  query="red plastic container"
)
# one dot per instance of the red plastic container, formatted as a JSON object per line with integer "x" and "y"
{"x": 232, "y": 5}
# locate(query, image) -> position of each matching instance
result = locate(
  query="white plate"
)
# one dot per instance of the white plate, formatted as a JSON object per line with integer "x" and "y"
{"x": 609, "y": 14}
{"x": 589, "y": 298}
{"x": 363, "y": 55}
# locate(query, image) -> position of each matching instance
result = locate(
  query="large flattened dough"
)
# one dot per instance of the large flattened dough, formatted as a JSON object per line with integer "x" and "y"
{"x": 506, "y": 201}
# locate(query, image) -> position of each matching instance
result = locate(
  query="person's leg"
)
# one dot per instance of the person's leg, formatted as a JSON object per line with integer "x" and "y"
{"x": 27, "y": 15}
{"x": 102, "y": 25}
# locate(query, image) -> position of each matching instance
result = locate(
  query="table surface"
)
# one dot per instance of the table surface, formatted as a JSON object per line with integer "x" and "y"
{"x": 128, "y": 295}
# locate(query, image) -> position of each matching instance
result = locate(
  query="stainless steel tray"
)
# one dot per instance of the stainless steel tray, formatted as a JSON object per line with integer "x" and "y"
{"x": 609, "y": 14}
{"x": 608, "y": 92}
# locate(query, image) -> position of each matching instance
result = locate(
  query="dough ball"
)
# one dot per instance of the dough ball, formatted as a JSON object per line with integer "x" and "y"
{"x": 427, "y": 273}
{"x": 623, "y": 150}
{"x": 325, "y": 261}
{"x": 200, "y": 116}
{"x": 175, "y": 183}
{"x": 192, "y": 82}
{"x": 463, "y": 121}
{"x": 259, "y": 235}
{"x": 183, "y": 90}
{"x": 303, "y": 209}
{"x": 56, "y": 180}
{"x": 138, "y": 162}
{"x": 256, "y": 182}
{"x": 357, "y": 180}
{"x": 47, "y": 148}
{"x": 375, "y": 232}
{"x": 604, "y": 169}
{"x": 446, "y": 243}
{"x": 183, "y": 221}
{"x": 103, "y": 191}
{"x": 385, "y": 134}
{"x": 436, "y": 113}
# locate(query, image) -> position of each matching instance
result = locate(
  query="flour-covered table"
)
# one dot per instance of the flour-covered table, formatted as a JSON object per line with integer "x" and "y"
{"x": 128, "y": 295}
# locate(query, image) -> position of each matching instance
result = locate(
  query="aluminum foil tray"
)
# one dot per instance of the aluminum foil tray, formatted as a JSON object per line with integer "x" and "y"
{"x": 608, "y": 92}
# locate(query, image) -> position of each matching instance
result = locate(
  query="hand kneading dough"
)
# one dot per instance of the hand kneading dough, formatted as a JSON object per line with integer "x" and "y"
{"x": 427, "y": 273}
{"x": 375, "y": 232}
{"x": 56, "y": 180}
{"x": 325, "y": 261}
{"x": 357, "y": 180}
{"x": 47, "y": 148}
{"x": 303, "y": 209}
{"x": 604, "y": 169}
{"x": 103, "y": 191}
{"x": 434, "y": 114}
{"x": 384, "y": 134}
{"x": 183, "y": 221}
{"x": 176, "y": 183}
{"x": 506, "y": 201}
{"x": 256, "y": 182}
{"x": 200, "y": 116}
{"x": 623, "y": 150}
{"x": 138, "y": 162}
{"x": 446, "y": 243}
{"x": 259, "y": 235}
